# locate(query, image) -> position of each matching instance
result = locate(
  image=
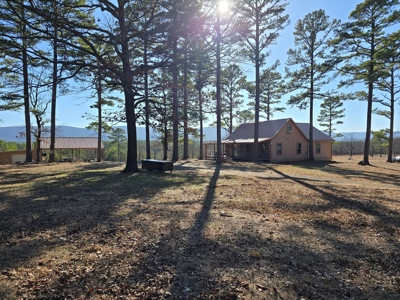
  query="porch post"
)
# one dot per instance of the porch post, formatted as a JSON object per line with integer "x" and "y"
{"x": 214, "y": 152}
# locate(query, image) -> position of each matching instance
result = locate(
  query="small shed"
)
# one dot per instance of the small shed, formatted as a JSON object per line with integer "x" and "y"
{"x": 14, "y": 156}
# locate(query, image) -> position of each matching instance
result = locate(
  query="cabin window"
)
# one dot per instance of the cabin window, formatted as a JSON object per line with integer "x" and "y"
{"x": 318, "y": 148}
{"x": 298, "y": 148}
{"x": 289, "y": 128}
{"x": 279, "y": 149}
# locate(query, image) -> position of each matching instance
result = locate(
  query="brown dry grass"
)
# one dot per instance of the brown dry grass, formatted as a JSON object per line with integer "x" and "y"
{"x": 240, "y": 231}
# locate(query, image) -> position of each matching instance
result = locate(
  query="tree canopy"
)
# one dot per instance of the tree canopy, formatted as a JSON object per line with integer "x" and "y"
{"x": 175, "y": 64}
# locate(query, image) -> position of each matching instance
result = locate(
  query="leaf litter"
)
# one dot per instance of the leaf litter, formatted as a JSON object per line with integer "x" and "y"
{"x": 323, "y": 230}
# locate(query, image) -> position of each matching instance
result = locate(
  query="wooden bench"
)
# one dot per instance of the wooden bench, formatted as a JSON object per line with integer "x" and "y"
{"x": 160, "y": 166}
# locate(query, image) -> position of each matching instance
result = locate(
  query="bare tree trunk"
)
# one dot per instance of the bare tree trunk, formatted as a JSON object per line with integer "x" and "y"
{"x": 219, "y": 140}
{"x": 129, "y": 94}
{"x": 230, "y": 113}
{"x": 369, "y": 121}
{"x": 392, "y": 100}
{"x": 201, "y": 153}
{"x": 38, "y": 152}
{"x": 53, "y": 98}
{"x": 175, "y": 118}
{"x": 165, "y": 143}
{"x": 28, "y": 156}
{"x": 99, "y": 125}
{"x": 131, "y": 159}
{"x": 257, "y": 98}
{"x": 311, "y": 132}
{"x": 367, "y": 143}
{"x": 185, "y": 109}
{"x": 146, "y": 96}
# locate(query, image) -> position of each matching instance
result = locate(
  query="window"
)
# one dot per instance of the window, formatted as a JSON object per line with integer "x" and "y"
{"x": 289, "y": 128}
{"x": 279, "y": 149}
{"x": 318, "y": 148}
{"x": 298, "y": 148}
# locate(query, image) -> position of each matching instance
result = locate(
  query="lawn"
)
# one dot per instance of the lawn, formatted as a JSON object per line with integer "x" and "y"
{"x": 322, "y": 230}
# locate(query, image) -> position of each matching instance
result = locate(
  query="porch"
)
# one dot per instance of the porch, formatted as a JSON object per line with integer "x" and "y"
{"x": 239, "y": 150}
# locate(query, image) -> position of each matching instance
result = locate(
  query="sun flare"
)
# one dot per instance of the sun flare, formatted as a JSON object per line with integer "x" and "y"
{"x": 223, "y": 6}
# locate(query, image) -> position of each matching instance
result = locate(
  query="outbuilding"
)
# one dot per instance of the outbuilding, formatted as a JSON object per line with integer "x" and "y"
{"x": 66, "y": 148}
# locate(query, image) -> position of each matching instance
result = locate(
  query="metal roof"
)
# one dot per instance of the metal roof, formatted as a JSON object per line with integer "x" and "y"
{"x": 243, "y": 141}
{"x": 268, "y": 129}
{"x": 71, "y": 143}
{"x": 318, "y": 135}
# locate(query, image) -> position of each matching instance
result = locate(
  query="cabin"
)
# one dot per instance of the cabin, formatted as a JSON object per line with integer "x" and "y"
{"x": 280, "y": 140}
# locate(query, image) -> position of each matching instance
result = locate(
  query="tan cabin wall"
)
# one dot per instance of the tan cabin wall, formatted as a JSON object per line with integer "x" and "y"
{"x": 10, "y": 157}
{"x": 289, "y": 142}
{"x": 326, "y": 150}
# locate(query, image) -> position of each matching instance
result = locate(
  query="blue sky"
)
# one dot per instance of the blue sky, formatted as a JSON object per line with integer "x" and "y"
{"x": 71, "y": 108}
{"x": 355, "y": 119}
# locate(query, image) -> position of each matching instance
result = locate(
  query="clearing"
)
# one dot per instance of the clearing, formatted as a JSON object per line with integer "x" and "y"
{"x": 323, "y": 230}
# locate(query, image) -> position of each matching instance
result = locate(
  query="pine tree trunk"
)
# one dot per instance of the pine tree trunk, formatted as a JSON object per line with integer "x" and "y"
{"x": 311, "y": 132}
{"x": 175, "y": 104}
{"x": 28, "y": 156}
{"x": 146, "y": 98}
{"x": 218, "y": 83}
{"x": 257, "y": 99}
{"x": 185, "y": 109}
{"x": 201, "y": 151}
{"x": 369, "y": 106}
{"x": 131, "y": 160}
{"x": 53, "y": 99}
{"x": 391, "y": 129}
{"x": 126, "y": 79}
{"x": 99, "y": 127}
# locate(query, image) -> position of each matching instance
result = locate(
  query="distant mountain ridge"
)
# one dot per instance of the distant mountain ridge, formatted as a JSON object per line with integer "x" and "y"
{"x": 12, "y": 133}
{"x": 358, "y": 136}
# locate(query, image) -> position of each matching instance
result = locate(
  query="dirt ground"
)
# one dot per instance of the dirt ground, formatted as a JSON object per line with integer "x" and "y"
{"x": 322, "y": 230}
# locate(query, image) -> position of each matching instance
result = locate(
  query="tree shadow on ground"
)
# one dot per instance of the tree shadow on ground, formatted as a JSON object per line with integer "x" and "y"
{"x": 183, "y": 282}
{"x": 389, "y": 176}
{"x": 187, "y": 264}
{"x": 55, "y": 209}
{"x": 336, "y": 198}
{"x": 155, "y": 256}
{"x": 14, "y": 174}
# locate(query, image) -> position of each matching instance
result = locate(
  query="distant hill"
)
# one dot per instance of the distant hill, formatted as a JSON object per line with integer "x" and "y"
{"x": 358, "y": 136}
{"x": 12, "y": 133}
{"x": 346, "y": 135}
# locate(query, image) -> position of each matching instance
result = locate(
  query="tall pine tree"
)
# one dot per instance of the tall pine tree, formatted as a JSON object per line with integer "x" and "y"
{"x": 311, "y": 39}
{"x": 389, "y": 58}
{"x": 232, "y": 83}
{"x": 358, "y": 43}
{"x": 331, "y": 112}
{"x": 272, "y": 89}
{"x": 261, "y": 22}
